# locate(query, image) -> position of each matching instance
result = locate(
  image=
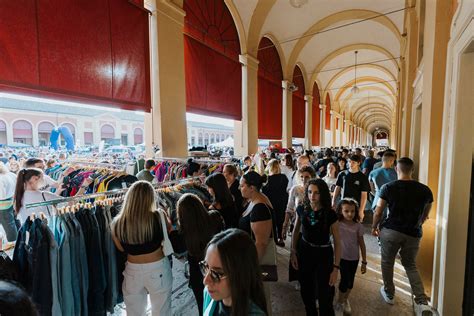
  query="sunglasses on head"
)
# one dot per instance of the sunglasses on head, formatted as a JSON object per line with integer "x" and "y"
{"x": 216, "y": 277}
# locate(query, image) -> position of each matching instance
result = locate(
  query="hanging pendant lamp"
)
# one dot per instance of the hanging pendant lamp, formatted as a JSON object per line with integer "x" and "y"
{"x": 355, "y": 88}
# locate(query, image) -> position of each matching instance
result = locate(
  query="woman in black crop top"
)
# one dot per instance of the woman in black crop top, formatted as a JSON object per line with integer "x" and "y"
{"x": 139, "y": 230}
{"x": 256, "y": 220}
{"x": 312, "y": 254}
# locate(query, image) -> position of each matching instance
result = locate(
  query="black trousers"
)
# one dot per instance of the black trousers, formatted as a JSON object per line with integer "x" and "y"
{"x": 196, "y": 282}
{"x": 315, "y": 266}
{"x": 348, "y": 272}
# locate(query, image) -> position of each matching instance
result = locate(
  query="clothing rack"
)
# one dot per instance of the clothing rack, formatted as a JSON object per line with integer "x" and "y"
{"x": 77, "y": 198}
{"x": 185, "y": 160}
{"x": 107, "y": 193}
{"x": 97, "y": 164}
{"x": 175, "y": 182}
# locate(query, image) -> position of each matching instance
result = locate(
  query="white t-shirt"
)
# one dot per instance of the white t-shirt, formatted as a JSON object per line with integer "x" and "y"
{"x": 331, "y": 182}
{"x": 35, "y": 197}
{"x": 290, "y": 174}
{"x": 7, "y": 185}
{"x": 296, "y": 198}
{"x": 47, "y": 184}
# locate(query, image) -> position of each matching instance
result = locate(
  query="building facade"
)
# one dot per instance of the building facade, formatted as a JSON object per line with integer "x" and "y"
{"x": 203, "y": 134}
{"x": 31, "y": 123}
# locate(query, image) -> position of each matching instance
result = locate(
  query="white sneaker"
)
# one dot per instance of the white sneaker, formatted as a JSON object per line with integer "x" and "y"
{"x": 385, "y": 296}
{"x": 423, "y": 309}
{"x": 338, "y": 309}
{"x": 347, "y": 308}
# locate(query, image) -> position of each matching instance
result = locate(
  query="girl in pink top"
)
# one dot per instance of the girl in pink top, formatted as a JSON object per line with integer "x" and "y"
{"x": 351, "y": 234}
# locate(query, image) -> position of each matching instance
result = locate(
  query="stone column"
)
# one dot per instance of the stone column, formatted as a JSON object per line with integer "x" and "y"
{"x": 9, "y": 132}
{"x": 246, "y": 131}
{"x": 323, "y": 124}
{"x": 341, "y": 134}
{"x": 308, "y": 136}
{"x": 287, "y": 135}
{"x": 333, "y": 128}
{"x": 80, "y": 132}
{"x": 35, "y": 136}
{"x": 168, "y": 83}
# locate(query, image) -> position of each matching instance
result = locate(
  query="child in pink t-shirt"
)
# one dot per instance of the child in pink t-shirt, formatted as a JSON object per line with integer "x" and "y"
{"x": 352, "y": 238}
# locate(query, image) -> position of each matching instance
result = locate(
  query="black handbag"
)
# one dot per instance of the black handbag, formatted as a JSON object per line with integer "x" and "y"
{"x": 269, "y": 273}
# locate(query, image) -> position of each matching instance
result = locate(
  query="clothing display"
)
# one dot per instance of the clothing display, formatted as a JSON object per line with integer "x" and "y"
{"x": 174, "y": 169}
{"x": 105, "y": 177}
{"x": 67, "y": 262}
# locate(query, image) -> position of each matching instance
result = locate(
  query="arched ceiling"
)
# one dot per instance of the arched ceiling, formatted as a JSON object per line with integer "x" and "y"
{"x": 321, "y": 37}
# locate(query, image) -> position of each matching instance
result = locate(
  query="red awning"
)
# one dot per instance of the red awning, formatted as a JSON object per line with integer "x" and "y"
{"x": 90, "y": 51}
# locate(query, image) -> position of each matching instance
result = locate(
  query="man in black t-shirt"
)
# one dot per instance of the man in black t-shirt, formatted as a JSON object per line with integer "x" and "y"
{"x": 354, "y": 184}
{"x": 409, "y": 203}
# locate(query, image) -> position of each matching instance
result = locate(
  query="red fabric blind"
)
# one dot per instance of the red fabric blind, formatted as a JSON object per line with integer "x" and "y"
{"x": 316, "y": 116}
{"x": 91, "y": 51}
{"x": 328, "y": 112}
{"x": 298, "y": 112}
{"x": 211, "y": 60}
{"x": 270, "y": 93}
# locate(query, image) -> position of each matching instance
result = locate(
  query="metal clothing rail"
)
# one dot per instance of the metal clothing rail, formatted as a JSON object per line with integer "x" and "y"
{"x": 177, "y": 181}
{"x": 185, "y": 160}
{"x": 107, "y": 193}
{"x": 76, "y": 198}
{"x": 96, "y": 164}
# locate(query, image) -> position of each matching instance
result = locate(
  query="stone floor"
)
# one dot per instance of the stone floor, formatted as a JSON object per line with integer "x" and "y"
{"x": 365, "y": 298}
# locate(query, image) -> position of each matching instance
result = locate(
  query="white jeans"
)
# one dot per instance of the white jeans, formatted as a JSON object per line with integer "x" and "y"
{"x": 153, "y": 278}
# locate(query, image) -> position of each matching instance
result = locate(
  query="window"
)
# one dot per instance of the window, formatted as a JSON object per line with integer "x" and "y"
{"x": 107, "y": 132}
{"x": 88, "y": 138}
{"x": 124, "y": 139}
{"x": 137, "y": 136}
{"x": 23, "y": 132}
{"x": 44, "y": 133}
{"x": 213, "y": 139}
{"x": 200, "y": 139}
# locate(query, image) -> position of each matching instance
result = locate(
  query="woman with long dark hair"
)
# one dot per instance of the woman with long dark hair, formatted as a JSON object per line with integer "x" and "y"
{"x": 312, "y": 253}
{"x": 223, "y": 200}
{"x": 231, "y": 174}
{"x": 232, "y": 276}
{"x": 27, "y": 191}
{"x": 197, "y": 228}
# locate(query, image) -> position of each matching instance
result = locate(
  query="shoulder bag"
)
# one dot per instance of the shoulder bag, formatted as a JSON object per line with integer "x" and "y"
{"x": 268, "y": 263}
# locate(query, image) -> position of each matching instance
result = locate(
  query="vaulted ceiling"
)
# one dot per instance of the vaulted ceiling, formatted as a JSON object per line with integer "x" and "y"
{"x": 322, "y": 36}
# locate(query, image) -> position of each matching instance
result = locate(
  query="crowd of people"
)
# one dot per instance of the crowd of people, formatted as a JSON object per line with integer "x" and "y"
{"x": 320, "y": 199}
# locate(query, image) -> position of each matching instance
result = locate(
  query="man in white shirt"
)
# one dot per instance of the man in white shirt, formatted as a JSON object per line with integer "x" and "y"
{"x": 48, "y": 182}
{"x": 7, "y": 191}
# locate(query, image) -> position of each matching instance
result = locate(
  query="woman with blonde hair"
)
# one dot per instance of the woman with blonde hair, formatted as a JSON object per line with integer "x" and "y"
{"x": 140, "y": 231}
{"x": 275, "y": 190}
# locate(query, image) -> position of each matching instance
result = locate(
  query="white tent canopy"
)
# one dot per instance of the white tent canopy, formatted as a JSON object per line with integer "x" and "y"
{"x": 229, "y": 142}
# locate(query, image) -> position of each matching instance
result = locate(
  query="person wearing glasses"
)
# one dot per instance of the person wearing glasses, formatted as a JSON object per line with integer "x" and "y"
{"x": 232, "y": 276}
{"x": 312, "y": 253}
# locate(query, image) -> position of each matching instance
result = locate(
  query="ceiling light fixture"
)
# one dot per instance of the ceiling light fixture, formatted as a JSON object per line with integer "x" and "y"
{"x": 298, "y": 3}
{"x": 355, "y": 88}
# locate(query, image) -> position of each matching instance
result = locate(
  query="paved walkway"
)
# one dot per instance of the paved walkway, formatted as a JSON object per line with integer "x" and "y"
{"x": 365, "y": 298}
